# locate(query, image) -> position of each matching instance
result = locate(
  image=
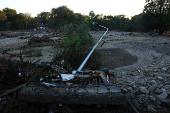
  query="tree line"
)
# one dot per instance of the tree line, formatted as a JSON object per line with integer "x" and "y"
{"x": 155, "y": 16}
{"x": 9, "y": 19}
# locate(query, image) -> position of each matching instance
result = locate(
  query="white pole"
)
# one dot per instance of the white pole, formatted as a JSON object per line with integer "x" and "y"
{"x": 84, "y": 62}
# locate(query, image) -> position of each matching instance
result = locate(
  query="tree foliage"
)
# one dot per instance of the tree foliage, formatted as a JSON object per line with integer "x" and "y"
{"x": 3, "y": 18}
{"x": 9, "y": 13}
{"x": 43, "y": 17}
{"x": 18, "y": 21}
{"x": 77, "y": 43}
{"x": 155, "y": 16}
{"x": 160, "y": 8}
{"x": 61, "y": 16}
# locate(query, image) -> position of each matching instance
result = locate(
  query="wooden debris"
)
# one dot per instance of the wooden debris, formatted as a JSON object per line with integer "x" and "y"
{"x": 13, "y": 90}
{"x": 103, "y": 76}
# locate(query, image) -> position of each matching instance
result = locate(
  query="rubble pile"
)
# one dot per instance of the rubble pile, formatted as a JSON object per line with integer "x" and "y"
{"x": 149, "y": 86}
{"x": 36, "y": 39}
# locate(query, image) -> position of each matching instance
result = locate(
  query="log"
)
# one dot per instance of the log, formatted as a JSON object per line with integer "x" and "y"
{"x": 12, "y": 90}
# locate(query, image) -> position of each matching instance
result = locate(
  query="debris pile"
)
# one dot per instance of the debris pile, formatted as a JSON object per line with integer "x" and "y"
{"x": 149, "y": 86}
{"x": 36, "y": 39}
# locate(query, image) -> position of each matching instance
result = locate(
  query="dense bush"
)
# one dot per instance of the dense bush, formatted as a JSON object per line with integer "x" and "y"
{"x": 76, "y": 45}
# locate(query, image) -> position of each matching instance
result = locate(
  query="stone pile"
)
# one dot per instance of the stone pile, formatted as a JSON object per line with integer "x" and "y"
{"x": 149, "y": 86}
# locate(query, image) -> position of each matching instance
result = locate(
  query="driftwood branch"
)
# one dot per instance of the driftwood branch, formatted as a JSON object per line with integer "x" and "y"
{"x": 12, "y": 90}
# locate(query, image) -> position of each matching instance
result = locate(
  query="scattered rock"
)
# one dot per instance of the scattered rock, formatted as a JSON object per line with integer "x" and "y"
{"x": 152, "y": 87}
{"x": 160, "y": 78}
{"x": 151, "y": 109}
{"x": 143, "y": 90}
{"x": 129, "y": 88}
{"x": 163, "y": 95}
{"x": 158, "y": 91}
{"x": 136, "y": 92}
{"x": 123, "y": 73}
{"x": 152, "y": 98}
{"x": 167, "y": 87}
{"x": 153, "y": 82}
{"x": 124, "y": 90}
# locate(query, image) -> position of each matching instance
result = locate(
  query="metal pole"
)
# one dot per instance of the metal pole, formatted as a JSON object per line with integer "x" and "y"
{"x": 84, "y": 62}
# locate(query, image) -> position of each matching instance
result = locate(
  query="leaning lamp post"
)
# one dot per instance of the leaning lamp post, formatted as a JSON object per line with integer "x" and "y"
{"x": 88, "y": 56}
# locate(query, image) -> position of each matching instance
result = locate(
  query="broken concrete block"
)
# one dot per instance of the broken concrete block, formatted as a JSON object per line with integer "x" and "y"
{"x": 67, "y": 77}
{"x": 92, "y": 89}
{"x": 115, "y": 88}
{"x": 81, "y": 91}
{"x": 102, "y": 89}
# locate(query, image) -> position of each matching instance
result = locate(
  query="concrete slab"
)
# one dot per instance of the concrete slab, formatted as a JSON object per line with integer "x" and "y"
{"x": 81, "y": 91}
{"x": 92, "y": 89}
{"x": 103, "y": 89}
{"x": 73, "y": 95}
{"x": 115, "y": 89}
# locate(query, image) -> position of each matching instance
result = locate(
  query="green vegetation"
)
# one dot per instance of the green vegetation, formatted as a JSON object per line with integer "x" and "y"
{"x": 9, "y": 19}
{"x": 76, "y": 45}
{"x": 155, "y": 16}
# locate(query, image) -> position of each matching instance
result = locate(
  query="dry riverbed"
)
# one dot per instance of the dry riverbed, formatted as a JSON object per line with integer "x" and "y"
{"x": 141, "y": 65}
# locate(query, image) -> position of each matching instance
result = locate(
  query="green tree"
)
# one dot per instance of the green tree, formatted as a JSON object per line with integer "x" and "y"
{"x": 18, "y": 21}
{"x": 62, "y": 16}
{"x": 77, "y": 44}
{"x": 32, "y": 23}
{"x": 43, "y": 17}
{"x": 160, "y": 8}
{"x": 3, "y": 17}
{"x": 91, "y": 18}
{"x": 149, "y": 21}
{"x": 137, "y": 22}
{"x": 9, "y": 13}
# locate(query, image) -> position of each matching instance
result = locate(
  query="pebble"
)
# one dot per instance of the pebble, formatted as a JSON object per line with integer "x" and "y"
{"x": 143, "y": 90}
{"x": 160, "y": 85}
{"x": 123, "y": 76}
{"x": 160, "y": 78}
{"x": 152, "y": 98}
{"x": 151, "y": 109}
{"x": 129, "y": 88}
{"x": 146, "y": 70}
{"x": 123, "y": 73}
{"x": 163, "y": 95}
{"x": 158, "y": 91}
{"x": 152, "y": 87}
{"x": 153, "y": 82}
{"x": 124, "y": 90}
{"x": 164, "y": 69}
{"x": 167, "y": 87}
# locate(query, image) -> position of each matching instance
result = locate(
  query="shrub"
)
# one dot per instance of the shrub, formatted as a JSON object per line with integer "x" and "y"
{"x": 76, "y": 45}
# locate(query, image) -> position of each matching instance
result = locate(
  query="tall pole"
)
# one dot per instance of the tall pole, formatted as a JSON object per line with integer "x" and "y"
{"x": 88, "y": 56}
